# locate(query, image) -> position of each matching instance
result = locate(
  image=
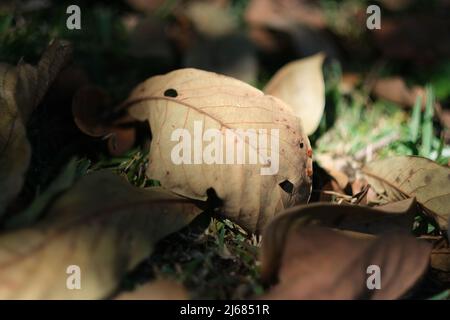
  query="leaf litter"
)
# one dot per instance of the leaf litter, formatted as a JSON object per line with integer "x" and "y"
{"x": 118, "y": 216}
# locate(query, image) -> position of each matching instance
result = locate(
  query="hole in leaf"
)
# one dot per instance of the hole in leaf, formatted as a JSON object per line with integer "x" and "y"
{"x": 171, "y": 93}
{"x": 287, "y": 186}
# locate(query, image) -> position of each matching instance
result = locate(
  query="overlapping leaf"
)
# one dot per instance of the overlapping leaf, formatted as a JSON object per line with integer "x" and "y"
{"x": 401, "y": 177}
{"x": 180, "y": 98}
{"x": 320, "y": 263}
{"x": 21, "y": 89}
{"x": 103, "y": 225}
{"x": 397, "y": 217}
{"x": 300, "y": 84}
{"x": 306, "y": 259}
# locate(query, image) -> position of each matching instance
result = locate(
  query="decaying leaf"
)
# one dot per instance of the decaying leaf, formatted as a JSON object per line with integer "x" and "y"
{"x": 15, "y": 151}
{"x": 183, "y": 105}
{"x": 402, "y": 177}
{"x": 440, "y": 256}
{"x": 395, "y": 89}
{"x": 300, "y": 84}
{"x": 321, "y": 263}
{"x": 397, "y": 217}
{"x": 160, "y": 289}
{"x": 90, "y": 107}
{"x": 103, "y": 225}
{"x": 22, "y": 89}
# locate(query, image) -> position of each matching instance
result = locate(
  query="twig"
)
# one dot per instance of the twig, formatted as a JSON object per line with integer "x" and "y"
{"x": 371, "y": 148}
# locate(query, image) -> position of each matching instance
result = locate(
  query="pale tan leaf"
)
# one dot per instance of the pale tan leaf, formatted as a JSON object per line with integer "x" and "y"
{"x": 180, "y": 98}
{"x": 160, "y": 289}
{"x": 300, "y": 84}
{"x": 103, "y": 224}
{"x": 393, "y": 218}
{"x": 406, "y": 176}
{"x": 320, "y": 263}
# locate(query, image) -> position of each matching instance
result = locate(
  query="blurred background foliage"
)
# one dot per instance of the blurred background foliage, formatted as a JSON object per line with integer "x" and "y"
{"x": 386, "y": 89}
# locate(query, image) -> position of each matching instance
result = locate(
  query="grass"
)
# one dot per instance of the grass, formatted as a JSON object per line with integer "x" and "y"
{"x": 214, "y": 258}
{"x": 216, "y": 262}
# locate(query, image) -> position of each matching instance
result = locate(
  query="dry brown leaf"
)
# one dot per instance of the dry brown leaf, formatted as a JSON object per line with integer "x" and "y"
{"x": 325, "y": 186}
{"x": 180, "y": 98}
{"x": 349, "y": 81}
{"x": 402, "y": 177}
{"x": 103, "y": 224}
{"x": 394, "y": 89}
{"x": 160, "y": 289}
{"x": 300, "y": 84}
{"x": 90, "y": 106}
{"x": 22, "y": 89}
{"x": 395, "y": 217}
{"x": 321, "y": 263}
{"x": 15, "y": 151}
{"x": 440, "y": 259}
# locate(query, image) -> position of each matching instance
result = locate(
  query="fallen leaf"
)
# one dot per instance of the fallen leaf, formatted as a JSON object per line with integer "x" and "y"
{"x": 251, "y": 193}
{"x": 300, "y": 84}
{"x": 402, "y": 177}
{"x": 394, "y": 89}
{"x": 90, "y": 107}
{"x": 61, "y": 183}
{"x": 392, "y": 218}
{"x": 23, "y": 87}
{"x": 349, "y": 81}
{"x": 15, "y": 151}
{"x": 440, "y": 259}
{"x": 321, "y": 263}
{"x": 324, "y": 185}
{"x": 103, "y": 225}
{"x": 160, "y": 289}
{"x": 336, "y": 168}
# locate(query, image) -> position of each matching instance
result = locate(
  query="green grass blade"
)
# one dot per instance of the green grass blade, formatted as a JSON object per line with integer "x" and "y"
{"x": 416, "y": 118}
{"x": 441, "y": 296}
{"x": 427, "y": 125}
